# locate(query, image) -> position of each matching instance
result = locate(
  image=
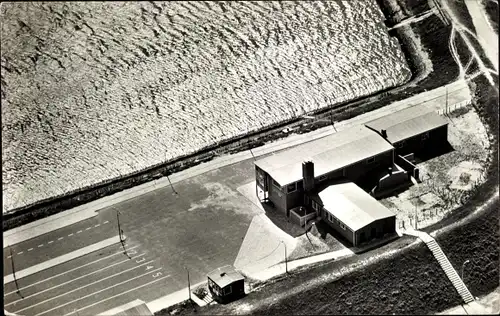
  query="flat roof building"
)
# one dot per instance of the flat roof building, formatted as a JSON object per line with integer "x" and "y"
{"x": 328, "y": 154}
{"x": 411, "y": 126}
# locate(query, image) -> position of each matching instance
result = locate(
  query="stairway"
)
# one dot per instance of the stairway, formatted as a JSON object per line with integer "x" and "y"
{"x": 450, "y": 271}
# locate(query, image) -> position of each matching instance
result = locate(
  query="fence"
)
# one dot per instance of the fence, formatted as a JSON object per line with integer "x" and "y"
{"x": 454, "y": 107}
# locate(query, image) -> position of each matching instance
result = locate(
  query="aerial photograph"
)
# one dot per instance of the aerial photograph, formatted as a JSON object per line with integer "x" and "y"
{"x": 307, "y": 157}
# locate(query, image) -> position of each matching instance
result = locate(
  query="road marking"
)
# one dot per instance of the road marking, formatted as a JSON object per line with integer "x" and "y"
{"x": 40, "y": 245}
{"x": 50, "y": 241}
{"x": 107, "y": 299}
{"x": 70, "y": 235}
{"x": 57, "y": 275}
{"x": 80, "y": 277}
{"x": 78, "y": 231}
{"x": 88, "y": 228}
{"x": 20, "y": 253}
{"x": 60, "y": 238}
{"x": 88, "y": 295}
{"x": 61, "y": 259}
{"x": 106, "y": 222}
{"x": 9, "y": 256}
{"x": 97, "y": 225}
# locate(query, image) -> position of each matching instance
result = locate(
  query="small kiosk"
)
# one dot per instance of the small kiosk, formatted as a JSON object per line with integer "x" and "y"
{"x": 226, "y": 284}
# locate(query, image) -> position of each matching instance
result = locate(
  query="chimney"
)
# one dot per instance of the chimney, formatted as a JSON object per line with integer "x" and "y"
{"x": 390, "y": 170}
{"x": 308, "y": 175}
{"x": 384, "y": 133}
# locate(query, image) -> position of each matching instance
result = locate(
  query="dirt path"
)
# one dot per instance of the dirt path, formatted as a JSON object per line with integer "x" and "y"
{"x": 485, "y": 33}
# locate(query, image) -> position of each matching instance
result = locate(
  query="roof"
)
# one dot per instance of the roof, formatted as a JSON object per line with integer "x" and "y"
{"x": 225, "y": 275}
{"x": 353, "y": 206}
{"x": 407, "y": 123}
{"x": 328, "y": 153}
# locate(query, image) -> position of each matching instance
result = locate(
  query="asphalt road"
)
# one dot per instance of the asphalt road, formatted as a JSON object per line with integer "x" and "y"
{"x": 199, "y": 229}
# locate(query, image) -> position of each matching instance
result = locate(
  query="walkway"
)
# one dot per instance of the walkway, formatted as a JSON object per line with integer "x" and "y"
{"x": 445, "y": 264}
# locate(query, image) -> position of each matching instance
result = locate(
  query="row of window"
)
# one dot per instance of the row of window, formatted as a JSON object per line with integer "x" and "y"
{"x": 333, "y": 219}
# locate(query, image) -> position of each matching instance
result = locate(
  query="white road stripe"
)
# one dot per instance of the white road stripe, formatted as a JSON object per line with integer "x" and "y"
{"x": 57, "y": 275}
{"x": 20, "y": 253}
{"x": 111, "y": 297}
{"x": 106, "y": 222}
{"x": 40, "y": 245}
{"x": 9, "y": 256}
{"x": 60, "y": 238}
{"x": 70, "y": 235}
{"x": 80, "y": 277}
{"x": 79, "y": 231}
{"x": 97, "y": 225}
{"x": 50, "y": 241}
{"x": 91, "y": 294}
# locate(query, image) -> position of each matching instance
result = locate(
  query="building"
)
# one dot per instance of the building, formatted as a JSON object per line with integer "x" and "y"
{"x": 353, "y": 213}
{"x": 348, "y": 154}
{"x": 375, "y": 158}
{"x": 412, "y": 130}
{"x": 226, "y": 284}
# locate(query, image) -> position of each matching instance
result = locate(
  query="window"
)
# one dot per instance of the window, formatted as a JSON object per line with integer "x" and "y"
{"x": 342, "y": 226}
{"x": 322, "y": 178}
{"x": 370, "y": 160}
{"x": 315, "y": 205}
{"x": 425, "y": 136}
{"x": 277, "y": 185}
{"x": 330, "y": 217}
{"x": 227, "y": 290}
{"x": 291, "y": 187}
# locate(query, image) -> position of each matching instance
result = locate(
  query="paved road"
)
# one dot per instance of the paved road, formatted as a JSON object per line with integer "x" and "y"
{"x": 200, "y": 228}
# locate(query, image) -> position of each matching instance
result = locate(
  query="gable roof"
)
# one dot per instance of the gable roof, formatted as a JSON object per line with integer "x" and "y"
{"x": 225, "y": 275}
{"x": 328, "y": 153}
{"x": 352, "y": 205}
{"x": 407, "y": 123}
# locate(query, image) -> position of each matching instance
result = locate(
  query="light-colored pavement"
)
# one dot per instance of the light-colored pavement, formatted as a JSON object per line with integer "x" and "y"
{"x": 485, "y": 33}
{"x": 48, "y": 224}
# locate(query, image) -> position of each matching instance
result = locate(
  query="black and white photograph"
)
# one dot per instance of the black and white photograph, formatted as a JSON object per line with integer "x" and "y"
{"x": 310, "y": 157}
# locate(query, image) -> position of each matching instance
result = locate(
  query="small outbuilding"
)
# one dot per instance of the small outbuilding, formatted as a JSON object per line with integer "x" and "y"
{"x": 226, "y": 284}
{"x": 353, "y": 213}
{"x": 412, "y": 130}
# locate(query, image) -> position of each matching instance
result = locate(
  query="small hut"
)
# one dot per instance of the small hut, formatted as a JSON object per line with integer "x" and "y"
{"x": 226, "y": 284}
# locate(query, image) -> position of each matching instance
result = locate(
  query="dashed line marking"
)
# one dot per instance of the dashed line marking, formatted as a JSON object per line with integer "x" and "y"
{"x": 20, "y": 253}
{"x": 88, "y": 228}
{"x": 9, "y": 256}
{"x": 78, "y": 231}
{"x": 97, "y": 225}
{"x": 70, "y": 235}
{"x": 60, "y": 238}
{"x": 106, "y": 222}
{"x": 30, "y": 249}
{"x": 50, "y": 241}
{"x": 40, "y": 245}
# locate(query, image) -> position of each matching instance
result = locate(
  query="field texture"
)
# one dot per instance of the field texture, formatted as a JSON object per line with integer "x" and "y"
{"x": 94, "y": 91}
